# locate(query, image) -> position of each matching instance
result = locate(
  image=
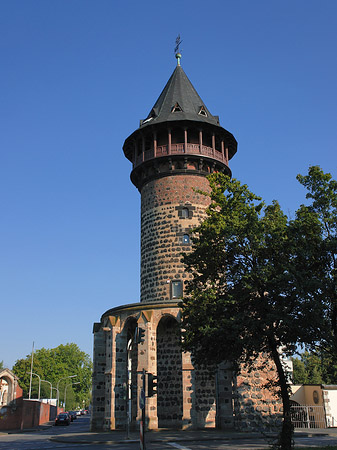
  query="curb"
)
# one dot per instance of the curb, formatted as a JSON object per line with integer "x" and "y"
{"x": 72, "y": 441}
{"x": 26, "y": 430}
{"x": 177, "y": 439}
{"x": 163, "y": 439}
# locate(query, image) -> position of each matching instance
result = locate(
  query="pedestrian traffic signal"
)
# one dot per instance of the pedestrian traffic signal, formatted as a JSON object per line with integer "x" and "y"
{"x": 139, "y": 335}
{"x": 151, "y": 384}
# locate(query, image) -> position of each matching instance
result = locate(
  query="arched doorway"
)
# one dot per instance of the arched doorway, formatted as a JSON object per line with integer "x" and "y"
{"x": 169, "y": 372}
{"x": 130, "y": 370}
{"x": 4, "y": 391}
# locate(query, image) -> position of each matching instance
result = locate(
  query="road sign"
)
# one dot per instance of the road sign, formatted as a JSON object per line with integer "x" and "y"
{"x": 142, "y": 399}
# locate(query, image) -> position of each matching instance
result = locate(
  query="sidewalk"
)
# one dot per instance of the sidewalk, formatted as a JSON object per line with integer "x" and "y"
{"x": 118, "y": 437}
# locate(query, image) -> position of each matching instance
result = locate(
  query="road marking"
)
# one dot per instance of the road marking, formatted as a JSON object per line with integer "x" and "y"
{"x": 174, "y": 444}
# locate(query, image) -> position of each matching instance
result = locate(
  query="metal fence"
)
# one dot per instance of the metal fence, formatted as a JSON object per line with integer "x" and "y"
{"x": 308, "y": 416}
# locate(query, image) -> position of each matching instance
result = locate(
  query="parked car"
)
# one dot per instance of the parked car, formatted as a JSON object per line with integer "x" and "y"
{"x": 78, "y": 413}
{"x": 73, "y": 415}
{"x": 62, "y": 419}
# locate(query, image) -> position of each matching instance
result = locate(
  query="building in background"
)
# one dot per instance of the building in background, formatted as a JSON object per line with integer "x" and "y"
{"x": 314, "y": 405}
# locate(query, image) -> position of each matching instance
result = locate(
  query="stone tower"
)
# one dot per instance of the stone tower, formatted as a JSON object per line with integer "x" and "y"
{"x": 178, "y": 144}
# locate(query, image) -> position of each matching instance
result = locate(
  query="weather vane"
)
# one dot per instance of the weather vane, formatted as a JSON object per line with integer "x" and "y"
{"x": 176, "y": 49}
{"x": 178, "y": 42}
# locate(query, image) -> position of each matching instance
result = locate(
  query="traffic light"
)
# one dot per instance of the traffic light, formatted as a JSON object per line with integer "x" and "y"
{"x": 139, "y": 335}
{"x": 124, "y": 391}
{"x": 151, "y": 384}
{"x": 133, "y": 391}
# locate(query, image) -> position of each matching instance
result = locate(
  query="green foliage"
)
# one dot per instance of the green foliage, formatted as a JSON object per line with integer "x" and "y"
{"x": 1, "y": 365}
{"x": 318, "y": 367}
{"x": 255, "y": 283}
{"x": 54, "y": 364}
{"x": 322, "y": 192}
{"x": 308, "y": 369}
{"x": 253, "y": 278}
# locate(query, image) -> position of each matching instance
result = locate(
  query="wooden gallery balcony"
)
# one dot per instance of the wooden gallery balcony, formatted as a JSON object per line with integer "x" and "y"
{"x": 181, "y": 149}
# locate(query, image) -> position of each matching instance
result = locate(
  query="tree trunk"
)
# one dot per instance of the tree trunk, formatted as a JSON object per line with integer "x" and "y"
{"x": 286, "y": 436}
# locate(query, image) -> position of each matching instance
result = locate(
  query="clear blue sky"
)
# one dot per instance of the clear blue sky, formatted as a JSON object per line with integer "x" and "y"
{"x": 75, "y": 78}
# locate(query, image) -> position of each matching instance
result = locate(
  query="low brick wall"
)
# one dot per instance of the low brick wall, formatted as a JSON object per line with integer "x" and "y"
{"x": 23, "y": 413}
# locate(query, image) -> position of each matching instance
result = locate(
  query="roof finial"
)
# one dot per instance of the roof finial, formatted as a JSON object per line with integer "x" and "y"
{"x": 176, "y": 49}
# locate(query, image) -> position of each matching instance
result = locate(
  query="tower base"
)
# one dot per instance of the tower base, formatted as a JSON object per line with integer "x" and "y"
{"x": 187, "y": 397}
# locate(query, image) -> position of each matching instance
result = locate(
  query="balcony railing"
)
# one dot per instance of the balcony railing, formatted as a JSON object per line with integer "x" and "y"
{"x": 180, "y": 149}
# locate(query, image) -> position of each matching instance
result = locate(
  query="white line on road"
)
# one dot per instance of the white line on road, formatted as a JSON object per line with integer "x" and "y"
{"x": 174, "y": 444}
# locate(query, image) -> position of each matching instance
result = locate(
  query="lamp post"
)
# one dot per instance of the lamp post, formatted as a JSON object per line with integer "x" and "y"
{"x": 129, "y": 387}
{"x": 32, "y": 373}
{"x": 57, "y": 387}
{"x": 57, "y": 391}
{"x": 65, "y": 393}
{"x": 51, "y": 388}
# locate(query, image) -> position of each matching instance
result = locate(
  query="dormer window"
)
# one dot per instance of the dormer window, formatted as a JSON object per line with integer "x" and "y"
{"x": 176, "y": 108}
{"x": 146, "y": 120}
{"x": 202, "y": 111}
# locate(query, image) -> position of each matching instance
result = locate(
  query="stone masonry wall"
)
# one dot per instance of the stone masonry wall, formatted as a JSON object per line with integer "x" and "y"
{"x": 257, "y": 405}
{"x": 162, "y": 230}
{"x": 188, "y": 397}
{"x": 98, "y": 386}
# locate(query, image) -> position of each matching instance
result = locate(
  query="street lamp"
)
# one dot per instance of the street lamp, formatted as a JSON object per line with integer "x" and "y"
{"x": 57, "y": 391}
{"x": 129, "y": 387}
{"x": 39, "y": 383}
{"x": 57, "y": 387}
{"x": 51, "y": 388}
{"x": 65, "y": 392}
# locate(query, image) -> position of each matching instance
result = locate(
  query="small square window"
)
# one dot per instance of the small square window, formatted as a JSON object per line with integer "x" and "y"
{"x": 176, "y": 289}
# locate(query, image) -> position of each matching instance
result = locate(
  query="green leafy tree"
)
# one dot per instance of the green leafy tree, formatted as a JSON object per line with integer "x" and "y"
{"x": 55, "y": 366}
{"x": 316, "y": 367}
{"x": 308, "y": 369}
{"x": 300, "y": 374}
{"x": 322, "y": 192}
{"x": 253, "y": 285}
{"x": 1, "y": 365}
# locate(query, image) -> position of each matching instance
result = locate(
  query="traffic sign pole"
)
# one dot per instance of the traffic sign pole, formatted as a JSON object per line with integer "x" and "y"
{"x": 142, "y": 404}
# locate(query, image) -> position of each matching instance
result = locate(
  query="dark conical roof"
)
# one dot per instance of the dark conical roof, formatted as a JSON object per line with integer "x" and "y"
{"x": 179, "y": 101}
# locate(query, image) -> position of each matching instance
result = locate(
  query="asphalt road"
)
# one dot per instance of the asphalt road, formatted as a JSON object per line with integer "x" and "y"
{"x": 40, "y": 440}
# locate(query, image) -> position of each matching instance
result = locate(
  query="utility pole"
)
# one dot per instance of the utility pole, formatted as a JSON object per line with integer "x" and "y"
{"x": 31, "y": 372}
{"x": 129, "y": 388}
{"x": 142, "y": 404}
